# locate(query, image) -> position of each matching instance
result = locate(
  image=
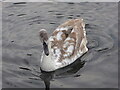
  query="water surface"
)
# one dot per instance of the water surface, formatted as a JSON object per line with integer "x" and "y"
{"x": 22, "y": 50}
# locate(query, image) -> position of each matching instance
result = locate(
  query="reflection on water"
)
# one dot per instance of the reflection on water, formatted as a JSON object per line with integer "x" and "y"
{"x": 68, "y": 71}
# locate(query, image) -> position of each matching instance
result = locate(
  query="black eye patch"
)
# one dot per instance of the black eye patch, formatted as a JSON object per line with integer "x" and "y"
{"x": 45, "y": 47}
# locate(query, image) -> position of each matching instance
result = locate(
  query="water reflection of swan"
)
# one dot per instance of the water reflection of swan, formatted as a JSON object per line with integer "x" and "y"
{"x": 65, "y": 72}
{"x": 65, "y": 45}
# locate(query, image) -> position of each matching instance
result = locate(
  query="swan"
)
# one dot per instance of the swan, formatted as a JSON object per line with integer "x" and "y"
{"x": 67, "y": 43}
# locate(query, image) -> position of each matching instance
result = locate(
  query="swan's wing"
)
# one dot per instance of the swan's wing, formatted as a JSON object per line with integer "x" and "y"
{"x": 66, "y": 40}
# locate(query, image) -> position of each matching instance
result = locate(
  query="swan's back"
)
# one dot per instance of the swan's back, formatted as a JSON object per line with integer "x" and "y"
{"x": 68, "y": 41}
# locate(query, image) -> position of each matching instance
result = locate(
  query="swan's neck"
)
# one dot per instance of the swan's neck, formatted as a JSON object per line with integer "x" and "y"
{"x": 44, "y": 39}
{"x": 47, "y": 64}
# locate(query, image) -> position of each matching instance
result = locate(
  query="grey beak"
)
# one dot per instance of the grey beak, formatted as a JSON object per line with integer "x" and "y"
{"x": 45, "y": 47}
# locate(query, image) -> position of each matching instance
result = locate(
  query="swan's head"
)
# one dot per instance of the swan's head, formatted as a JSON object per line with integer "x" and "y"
{"x": 44, "y": 39}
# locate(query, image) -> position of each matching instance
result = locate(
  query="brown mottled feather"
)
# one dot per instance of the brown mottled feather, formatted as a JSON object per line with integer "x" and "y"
{"x": 76, "y": 33}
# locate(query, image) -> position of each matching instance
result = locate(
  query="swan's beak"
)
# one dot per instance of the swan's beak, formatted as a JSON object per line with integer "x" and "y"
{"x": 45, "y": 47}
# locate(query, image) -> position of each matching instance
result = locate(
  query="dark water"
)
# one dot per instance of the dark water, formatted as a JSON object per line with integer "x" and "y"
{"x": 98, "y": 68}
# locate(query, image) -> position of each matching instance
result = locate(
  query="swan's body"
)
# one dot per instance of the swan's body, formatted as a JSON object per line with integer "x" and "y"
{"x": 65, "y": 45}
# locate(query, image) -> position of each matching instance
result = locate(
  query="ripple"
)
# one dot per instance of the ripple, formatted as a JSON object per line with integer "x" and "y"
{"x": 10, "y": 14}
{"x": 18, "y": 3}
{"x": 99, "y": 43}
{"x": 70, "y": 17}
{"x": 59, "y": 17}
{"x": 21, "y": 15}
{"x": 24, "y": 68}
{"x": 59, "y": 14}
{"x": 71, "y": 3}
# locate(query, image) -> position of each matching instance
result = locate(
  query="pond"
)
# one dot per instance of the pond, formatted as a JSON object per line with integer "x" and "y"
{"x": 22, "y": 49}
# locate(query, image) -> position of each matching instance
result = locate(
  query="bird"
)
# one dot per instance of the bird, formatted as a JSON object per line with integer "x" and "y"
{"x": 67, "y": 43}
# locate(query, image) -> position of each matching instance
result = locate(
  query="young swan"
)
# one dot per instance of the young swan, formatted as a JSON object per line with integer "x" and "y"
{"x": 65, "y": 45}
